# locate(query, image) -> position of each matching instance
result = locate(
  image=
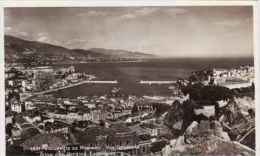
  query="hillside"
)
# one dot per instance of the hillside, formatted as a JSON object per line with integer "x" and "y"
{"x": 36, "y": 53}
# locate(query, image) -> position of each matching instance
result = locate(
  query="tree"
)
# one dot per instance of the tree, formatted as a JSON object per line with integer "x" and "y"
{"x": 200, "y": 92}
{"x": 175, "y": 113}
{"x": 8, "y": 129}
{"x": 48, "y": 126}
{"x": 134, "y": 109}
{"x": 251, "y": 112}
{"x": 188, "y": 107}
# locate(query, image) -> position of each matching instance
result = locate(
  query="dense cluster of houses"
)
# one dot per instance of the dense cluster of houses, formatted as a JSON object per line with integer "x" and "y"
{"x": 126, "y": 124}
{"x": 133, "y": 125}
{"x": 35, "y": 79}
{"x": 21, "y": 82}
{"x": 230, "y": 78}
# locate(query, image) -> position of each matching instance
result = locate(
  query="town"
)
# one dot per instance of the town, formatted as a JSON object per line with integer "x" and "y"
{"x": 210, "y": 112}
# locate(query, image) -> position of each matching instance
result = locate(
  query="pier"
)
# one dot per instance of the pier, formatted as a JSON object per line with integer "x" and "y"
{"x": 157, "y": 82}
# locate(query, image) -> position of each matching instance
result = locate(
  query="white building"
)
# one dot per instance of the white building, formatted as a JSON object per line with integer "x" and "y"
{"x": 16, "y": 107}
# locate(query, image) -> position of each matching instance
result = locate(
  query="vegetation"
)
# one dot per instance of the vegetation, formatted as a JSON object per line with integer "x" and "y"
{"x": 242, "y": 92}
{"x": 199, "y": 92}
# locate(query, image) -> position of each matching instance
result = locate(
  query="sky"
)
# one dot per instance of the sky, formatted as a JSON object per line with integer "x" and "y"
{"x": 188, "y": 31}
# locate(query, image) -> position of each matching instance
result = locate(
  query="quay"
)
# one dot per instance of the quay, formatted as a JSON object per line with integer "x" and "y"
{"x": 157, "y": 82}
{"x": 68, "y": 86}
{"x": 76, "y": 84}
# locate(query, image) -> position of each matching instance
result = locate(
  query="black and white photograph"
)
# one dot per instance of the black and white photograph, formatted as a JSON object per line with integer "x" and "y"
{"x": 129, "y": 81}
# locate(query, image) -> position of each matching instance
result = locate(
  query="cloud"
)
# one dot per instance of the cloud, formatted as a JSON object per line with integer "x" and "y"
{"x": 146, "y": 11}
{"x": 44, "y": 37}
{"x": 8, "y": 28}
{"x": 138, "y": 13}
{"x": 75, "y": 43}
{"x": 92, "y": 13}
{"x": 96, "y": 13}
{"x": 23, "y": 33}
{"x": 42, "y": 34}
{"x": 128, "y": 16}
{"x": 228, "y": 23}
{"x": 16, "y": 32}
{"x": 175, "y": 11}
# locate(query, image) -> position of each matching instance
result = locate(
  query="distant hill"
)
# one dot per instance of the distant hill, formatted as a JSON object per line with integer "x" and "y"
{"x": 32, "y": 52}
{"x": 112, "y": 53}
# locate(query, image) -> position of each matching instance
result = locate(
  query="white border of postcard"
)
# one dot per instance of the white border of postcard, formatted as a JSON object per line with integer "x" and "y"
{"x": 125, "y": 3}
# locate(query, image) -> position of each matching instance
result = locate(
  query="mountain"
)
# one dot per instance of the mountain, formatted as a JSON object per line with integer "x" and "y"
{"x": 113, "y": 53}
{"x": 32, "y": 52}
{"x": 120, "y": 53}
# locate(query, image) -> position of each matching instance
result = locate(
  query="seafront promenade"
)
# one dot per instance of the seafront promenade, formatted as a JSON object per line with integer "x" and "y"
{"x": 156, "y": 82}
{"x": 29, "y": 95}
{"x": 26, "y": 96}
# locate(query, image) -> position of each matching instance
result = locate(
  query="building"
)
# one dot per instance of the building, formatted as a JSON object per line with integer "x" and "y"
{"x": 16, "y": 105}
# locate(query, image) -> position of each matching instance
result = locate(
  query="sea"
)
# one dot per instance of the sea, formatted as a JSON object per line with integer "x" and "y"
{"x": 128, "y": 74}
